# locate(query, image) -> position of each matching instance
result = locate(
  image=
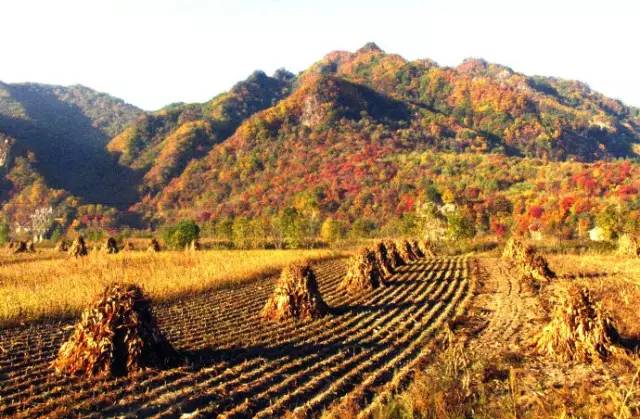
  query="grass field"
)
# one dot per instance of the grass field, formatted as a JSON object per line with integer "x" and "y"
{"x": 51, "y": 285}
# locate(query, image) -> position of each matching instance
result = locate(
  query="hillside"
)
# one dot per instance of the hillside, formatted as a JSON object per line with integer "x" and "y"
{"x": 160, "y": 144}
{"x": 369, "y": 136}
{"x": 366, "y": 138}
{"x": 64, "y": 131}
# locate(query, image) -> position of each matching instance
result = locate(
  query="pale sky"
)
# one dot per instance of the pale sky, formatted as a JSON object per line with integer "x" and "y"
{"x": 155, "y": 52}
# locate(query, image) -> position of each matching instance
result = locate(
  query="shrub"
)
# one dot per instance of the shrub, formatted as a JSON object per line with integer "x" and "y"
{"x": 183, "y": 233}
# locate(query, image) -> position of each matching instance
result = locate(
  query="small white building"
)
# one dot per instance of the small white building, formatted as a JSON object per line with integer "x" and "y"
{"x": 597, "y": 234}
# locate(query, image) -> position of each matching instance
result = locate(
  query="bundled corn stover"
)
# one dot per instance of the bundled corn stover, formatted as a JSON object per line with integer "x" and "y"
{"x": 295, "y": 296}
{"x": 117, "y": 335}
{"x": 628, "y": 246}
{"x": 406, "y": 251}
{"x": 363, "y": 272}
{"x": 383, "y": 259}
{"x": 78, "y": 247}
{"x": 393, "y": 255}
{"x": 580, "y": 329}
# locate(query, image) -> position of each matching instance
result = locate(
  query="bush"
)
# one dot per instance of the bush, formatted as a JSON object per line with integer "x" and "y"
{"x": 183, "y": 233}
{"x": 4, "y": 233}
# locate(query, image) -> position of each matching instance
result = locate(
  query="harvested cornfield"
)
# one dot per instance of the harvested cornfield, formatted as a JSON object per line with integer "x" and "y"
{"x": 238, "y": 365}
{"x": 78, "y": 247}
{"x": 394, "y": 256}
{"x": 579, "y": 329}
{"x": 110, "y": 246}
{"x": 154, "y": 246}
{"x": 363, "y": 272}
{"x": 405, "y": 251}
{"x": 383, "y": 259}
{"x": 117, "y": 335}
{"x": 296, "y": 296}
{"x": 628, "y": 246}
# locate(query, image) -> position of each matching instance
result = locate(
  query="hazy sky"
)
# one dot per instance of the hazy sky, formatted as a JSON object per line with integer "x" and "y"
{"x": 154, "y": 52}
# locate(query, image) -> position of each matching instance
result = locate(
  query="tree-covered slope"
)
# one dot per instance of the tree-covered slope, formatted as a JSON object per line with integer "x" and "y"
{"x": 160, "y": 144}
{"x": 66, "y": 129}
{"x": 340, "y": 139}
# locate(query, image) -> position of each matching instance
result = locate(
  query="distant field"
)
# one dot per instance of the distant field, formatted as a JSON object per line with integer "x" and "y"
{"x": 51, "y": 285}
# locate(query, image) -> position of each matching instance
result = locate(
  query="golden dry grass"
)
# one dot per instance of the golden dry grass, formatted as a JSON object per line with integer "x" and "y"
{"x": 51, "y": 285}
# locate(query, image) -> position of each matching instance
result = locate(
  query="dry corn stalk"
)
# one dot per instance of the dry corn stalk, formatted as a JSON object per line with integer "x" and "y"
{"x": 111, "y": 246}
{"x": 20, "y": 247}
{"x": 427, "y": 248}
{"x": 382, "y": 257}
{"x": 415, "y": 248}
{"x": 405, "y": 250}
{"x": 117, "y": 335}
{"x": 295, "y": 296}
{"x": 62, "y": 246}
{"x": 394, "y": 256}
{"x": 514, "y": 249}
{"x": 78, "y": 247}
{"x": 579, "y": 329}
{"x": 154, "y": 246}
{"x": 363, "y": 272}
{"x": 628, "y": 246}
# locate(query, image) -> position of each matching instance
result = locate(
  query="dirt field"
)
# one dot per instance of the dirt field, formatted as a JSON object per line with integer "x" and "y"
{"x": 238, "y": 366}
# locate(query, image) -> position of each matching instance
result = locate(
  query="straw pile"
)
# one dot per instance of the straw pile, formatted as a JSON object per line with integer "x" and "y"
{"x": 62, "y": 246}
{"x": 427, "y": 248}
{"x": 295, "y": 296}
{"x": 628, "y": 246}
{"x": 78, "y": 247}
{"x": 111, "y": 246}
{"x": 405, "y": 251}
{"x": 579, "y": 330}
{"x": 363, "y": 272}
{"x": 382, "y": 257}
{"x": 115, "y": 336}
{"x": 535, "y": 267}
{"x": 20, "y": 247}
{"x": 415, "y": 248}
{"x": 193, "y": 246}
{"x": 154, "y": 246}
{"x": 514, "y": 249}
{"x": 394, "y": 256}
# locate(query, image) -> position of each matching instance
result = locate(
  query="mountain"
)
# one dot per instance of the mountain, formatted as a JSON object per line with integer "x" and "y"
{"x": 65, "y": 131}
{"x": 366, "y": 138}
{"x": 341, "y": 143}
{"x": 160, "y": 144}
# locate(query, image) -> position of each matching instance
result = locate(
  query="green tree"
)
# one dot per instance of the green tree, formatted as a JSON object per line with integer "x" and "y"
{"x": 608, "y": 220}
{"x": 4, "y": 232}
{"x": 362, "y": 229}
{"x": 242, "y": 232}
{"x": 183, "y": 233}
{"x": 460, "y": 226}
{"x": 331, "y": 230}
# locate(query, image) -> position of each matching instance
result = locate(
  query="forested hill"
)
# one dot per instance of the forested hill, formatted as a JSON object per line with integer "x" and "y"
{"x": 362, "y": 135}
{"x": 64, "y": 131}
{"x": 342, "y": 142}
